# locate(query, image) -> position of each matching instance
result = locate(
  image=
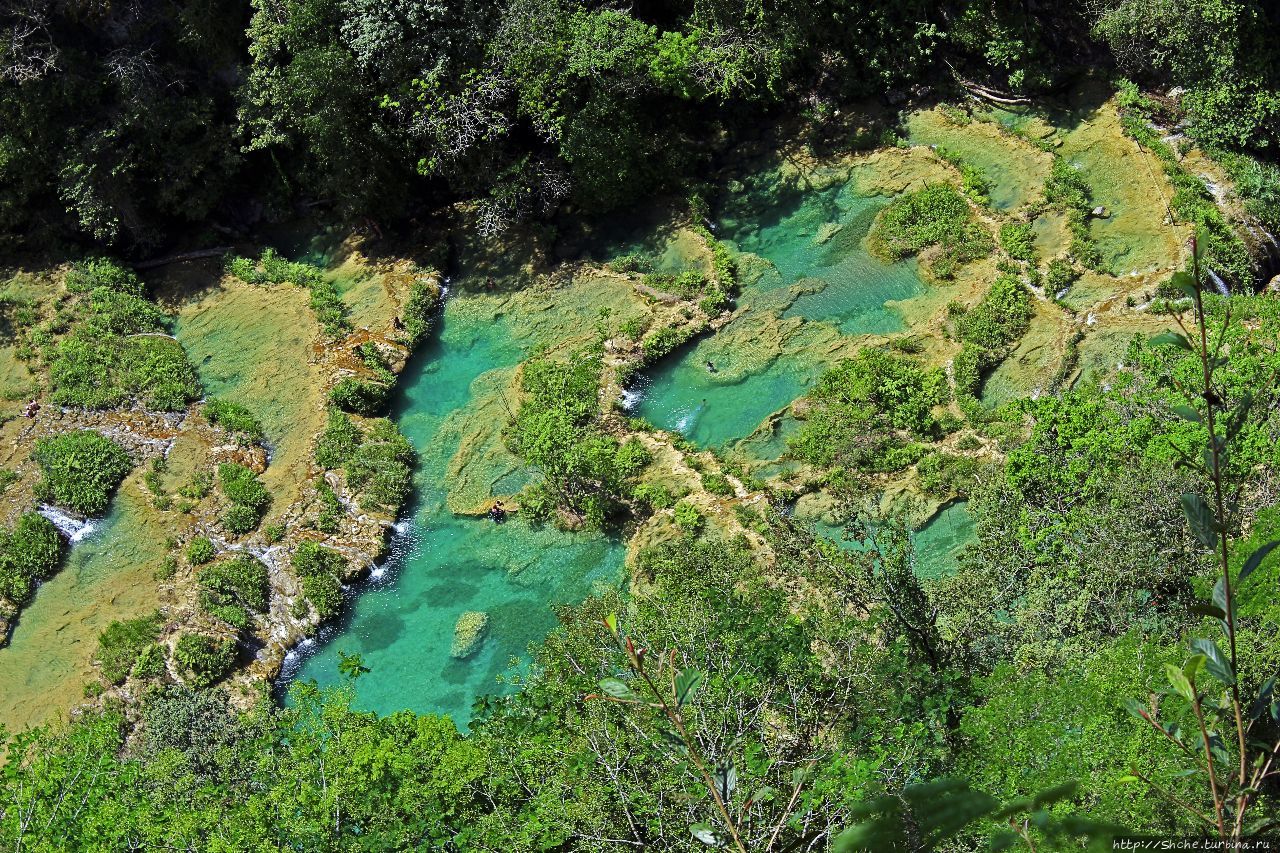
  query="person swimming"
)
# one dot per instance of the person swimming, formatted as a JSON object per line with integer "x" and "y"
{"x": 711, "y": 368}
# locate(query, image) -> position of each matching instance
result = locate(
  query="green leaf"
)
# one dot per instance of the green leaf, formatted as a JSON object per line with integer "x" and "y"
{"x": 1255, "y": 559}
{"x": 1215, "y": 662}
{"x": 1266, "y": 701}
{"x": 1179, "y": 682}
{"x": 616, "y": 688}
{"x": 1184, "y": 282}
{"x": 1171, "y": 339}
{"x": 611, "y": 622}
{"x": 726, "y": 779}
{"x": 1186, "y": 413}
{"x": 687, "y": 683}
{"x": 1191, "y": 669}
{"x": 1127, "y": 780}
{"x": 705, "y": 834}
{"x": 1206, "y": 609}
{"x": 1220, "y": 596}
{"x": 1134, "y": 707}
{"x": 1200, "y": 517}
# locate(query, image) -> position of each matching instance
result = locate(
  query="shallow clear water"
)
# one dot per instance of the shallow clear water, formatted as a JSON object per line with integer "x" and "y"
{"x": 108, "y": 575}
{"x": 443, "y": 565}
{"x": 811, "y": 241}
{"x": 937, "y": 544}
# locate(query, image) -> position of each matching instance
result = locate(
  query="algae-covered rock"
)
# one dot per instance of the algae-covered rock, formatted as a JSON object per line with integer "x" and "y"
{"x": 468, "y": 633}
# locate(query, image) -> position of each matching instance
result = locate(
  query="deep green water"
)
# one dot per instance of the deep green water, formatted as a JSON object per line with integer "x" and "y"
{"x": 443, "y": 565}
{"x": 811, "y": 241}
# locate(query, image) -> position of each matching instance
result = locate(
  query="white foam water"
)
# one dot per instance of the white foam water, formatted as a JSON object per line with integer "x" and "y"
{"x": 73, "y": 528}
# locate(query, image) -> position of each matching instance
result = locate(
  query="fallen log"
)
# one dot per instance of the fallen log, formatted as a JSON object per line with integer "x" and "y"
{"x": 218, "y": 251}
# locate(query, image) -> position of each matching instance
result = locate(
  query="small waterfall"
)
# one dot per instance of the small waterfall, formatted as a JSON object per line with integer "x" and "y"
{"x": 630, "y": 398}
{"x": 1219, "y": 283}
{"x": 75, "y": 529}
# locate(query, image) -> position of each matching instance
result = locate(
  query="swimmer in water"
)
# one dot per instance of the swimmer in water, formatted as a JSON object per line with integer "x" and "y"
{"x": 711, "y": 368}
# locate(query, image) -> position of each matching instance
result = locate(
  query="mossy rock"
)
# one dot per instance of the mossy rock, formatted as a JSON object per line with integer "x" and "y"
{"x": 468, "y": 633}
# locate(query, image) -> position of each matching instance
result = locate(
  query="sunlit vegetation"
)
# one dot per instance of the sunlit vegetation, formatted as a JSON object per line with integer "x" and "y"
{"x": 869, "y": 413}
{"x": 249, "y": 498}
{"x": 114, "y": 346}
{"x": 28, "y": 554}
{"x": 584, "y": 471}
{"x": 320, "y": 569}
{"x": 937, "y": 215}
{"x": 81, "y": 469}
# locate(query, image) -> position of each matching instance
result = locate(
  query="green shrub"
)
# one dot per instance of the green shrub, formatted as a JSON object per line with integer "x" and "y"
{"x": 338, "y": 442}
{"x": 381, "y": 468}
{"x": 419, "y": 311}
{"x": 242, "y": 486}
{"x": 200, "y": 551}
{"x": 93, "y": 369}
{"x": 202, "y": 659}
{"x": 654, "y": 495}
{"x": 28, "y": 554}
{"x": 934, "y": 215}
{"x": 585, "y": 470}
{"x": 321, "y": 571}
{"x": 240, "y": 519}
{"x": 717, "y": 484}
{"x": 122, "y": 314}
{"x": 665, "y": 341}
{"x": 235, "y": 419}
{"x": 149, "y": 662}
{"x": 1000, "y": 319}
{"x": 156, "y": 371}
{"x": 632, "y": 263}
{"x": 121, "y": 644}
{"x": 1066, "y": 187}
{"x": 360, "y": 395}
{"x": 943, "y": 475}
{"x": 1018, "y": 239}
{"x": 241, "y": 583}
{"x": 1060, "y": 275}
{"x": 689, "y": 518}
{"x": 81, "y": 469}
{"x": 95, "y": 273}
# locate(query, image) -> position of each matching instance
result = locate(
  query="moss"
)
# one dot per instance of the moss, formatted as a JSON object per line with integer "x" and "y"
{"x": 468, "y": 633}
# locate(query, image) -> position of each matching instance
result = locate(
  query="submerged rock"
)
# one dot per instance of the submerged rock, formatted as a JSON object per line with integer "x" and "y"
{"x": 468, "y": 633}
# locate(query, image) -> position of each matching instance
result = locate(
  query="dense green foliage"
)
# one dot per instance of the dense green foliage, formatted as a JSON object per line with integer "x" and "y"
{"x": 28, "y": 554}
{"x": 230, "y": 589}
{"x": 235, "y": 419}
{"x": 936, "y": 215}
{"x": 378, "y": 461}
{"x": 203, "y": 659}
{"x": 249, "y": 498}
{"x": 123, "y": 647}
{"x": 112, "y": 347}
{"x": 988, "y": 331}
{"x": 585, "y": 471}
{"x": 81, "y": 469}
{"x": 865, "y": 414}
{"x": 127, "y": 125}
{"x": 321, "y": 570}
{"x": 1218, "y": 50}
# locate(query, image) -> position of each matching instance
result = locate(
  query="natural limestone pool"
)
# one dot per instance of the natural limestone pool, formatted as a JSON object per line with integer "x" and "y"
{"x": 453, "y": 407}
{"x": 807, "y": 283}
